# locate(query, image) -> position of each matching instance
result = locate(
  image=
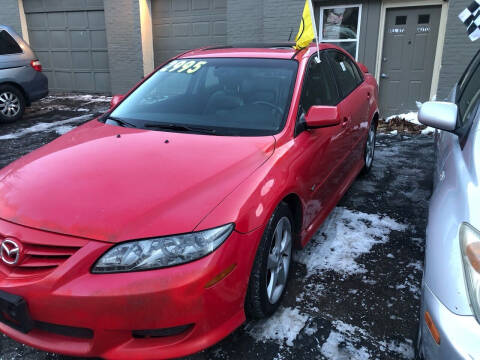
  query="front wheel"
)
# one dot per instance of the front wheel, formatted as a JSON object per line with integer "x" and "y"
{"x": 369, "y": 152}
{"x": 269, "y": 276}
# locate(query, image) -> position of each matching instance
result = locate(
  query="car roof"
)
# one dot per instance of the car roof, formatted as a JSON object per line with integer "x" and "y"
{"x": 268, "y": 51}
{"x": 6, "y": 28}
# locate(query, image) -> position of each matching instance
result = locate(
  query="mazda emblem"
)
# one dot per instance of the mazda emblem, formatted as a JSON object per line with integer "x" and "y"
{"x": 10, "y": 252}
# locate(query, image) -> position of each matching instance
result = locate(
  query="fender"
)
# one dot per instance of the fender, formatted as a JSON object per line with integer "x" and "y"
{"x": 251, "y": 205}
{"x": 373, "y": 106}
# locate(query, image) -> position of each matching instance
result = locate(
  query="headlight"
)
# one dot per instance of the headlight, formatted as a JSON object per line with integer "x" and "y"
{"x": 161, "y": 252}
{"x": 470, "y": 245}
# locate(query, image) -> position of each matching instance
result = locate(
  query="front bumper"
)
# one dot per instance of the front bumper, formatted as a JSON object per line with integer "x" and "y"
{"x": 459, "y": 335}
{"x": 111, "y": 306}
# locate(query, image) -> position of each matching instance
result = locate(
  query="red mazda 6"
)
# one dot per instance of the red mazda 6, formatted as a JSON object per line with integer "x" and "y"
{"x": 156, "y": 229}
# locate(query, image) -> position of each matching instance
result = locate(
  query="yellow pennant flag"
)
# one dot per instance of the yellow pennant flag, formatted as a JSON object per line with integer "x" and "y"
{"x": 306, "y": 31}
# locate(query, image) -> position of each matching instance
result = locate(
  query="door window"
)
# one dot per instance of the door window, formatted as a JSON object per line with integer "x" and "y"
{"x": 424, "y": 18}
{"x": 7, "y": 44}
{"x": 401, "y": 20}
{"x": 346, "y": 72}
{"x": 320, "y": 87}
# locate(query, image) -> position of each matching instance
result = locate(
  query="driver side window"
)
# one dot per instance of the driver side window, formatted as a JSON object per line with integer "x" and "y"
{"x": 320, "y": 87}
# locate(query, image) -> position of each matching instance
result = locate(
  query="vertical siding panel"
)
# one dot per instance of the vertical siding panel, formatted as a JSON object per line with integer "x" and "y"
{"x": 10, "y": 15}
{"x": 458, "y": 50}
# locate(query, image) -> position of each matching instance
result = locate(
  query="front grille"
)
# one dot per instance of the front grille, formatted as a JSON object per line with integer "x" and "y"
{"x": 41, "y": 256}
{"x": 39, "y": 259}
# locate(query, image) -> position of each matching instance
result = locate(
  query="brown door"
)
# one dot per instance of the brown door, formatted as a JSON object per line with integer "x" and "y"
{"x": 409, "y": 45}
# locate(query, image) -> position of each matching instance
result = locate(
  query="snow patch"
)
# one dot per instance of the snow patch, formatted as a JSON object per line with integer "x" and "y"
{"x": 63, "y": 129}
{"x": 346, "y": 235}
{"x": 279, "y": 356}
{"x": 340, "y": 344}
{"x": 407, "y": 284}
{"x": 345, "y": 343}
{"x": 418, "y": 266}
{"x": 42, "y": 127}
{"x": 405, "y": 350}
{"x": 283, "y": 326}
{"x": 428, "y": 131}
{"x": 418, "y": 241}
{"x": 85, "y": 97}
{"x": 337, "y": 347}
{"x": 311, "y": 329}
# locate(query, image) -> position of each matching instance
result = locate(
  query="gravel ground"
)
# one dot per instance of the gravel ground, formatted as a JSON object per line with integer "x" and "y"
{"x": 354, "y": 292}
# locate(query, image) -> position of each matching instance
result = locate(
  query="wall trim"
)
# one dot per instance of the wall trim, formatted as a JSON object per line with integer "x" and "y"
{"x": 387, "y": 4}
{"x": 146, "y": 29}
{"x": 23, "y": 22}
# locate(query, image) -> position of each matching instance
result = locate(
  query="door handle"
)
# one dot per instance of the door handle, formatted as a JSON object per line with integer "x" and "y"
{"x": 345, "y": 120}
{"x": 384, "y": 76}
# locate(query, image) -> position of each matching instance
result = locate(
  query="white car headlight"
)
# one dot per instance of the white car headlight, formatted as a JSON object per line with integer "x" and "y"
{"x": 161, "y": 252}
{"x": 470, "y": 245}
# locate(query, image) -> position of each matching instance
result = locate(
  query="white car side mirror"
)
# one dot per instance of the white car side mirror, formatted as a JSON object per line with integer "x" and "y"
{"x": 438, "y": 114}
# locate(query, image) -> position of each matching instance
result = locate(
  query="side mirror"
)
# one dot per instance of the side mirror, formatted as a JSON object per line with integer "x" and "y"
{"x": 362, "y": 67}
{"x": 322, "y": 116}
{"x": 438, "y": 114}
{"x": 115, "y": 100}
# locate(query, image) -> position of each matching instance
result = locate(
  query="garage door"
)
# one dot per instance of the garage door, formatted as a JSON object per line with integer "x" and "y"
{"x": 69, "y": 39}
{"x": 180, "y": 25}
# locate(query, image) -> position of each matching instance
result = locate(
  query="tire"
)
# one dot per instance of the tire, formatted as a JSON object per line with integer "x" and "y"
{"x": 266, "y": 288}
{"x": 12, "y": 104}
{"x": 418, "y": 343}
{"x": 369, "y": 152}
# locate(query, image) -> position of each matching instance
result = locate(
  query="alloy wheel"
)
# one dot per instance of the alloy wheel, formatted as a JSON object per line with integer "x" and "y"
{"x": 9, "y": 104}
{"x": 278, "y": 262}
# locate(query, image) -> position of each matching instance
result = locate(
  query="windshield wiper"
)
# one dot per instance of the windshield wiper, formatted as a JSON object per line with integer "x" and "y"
{"x": 180, "y": 127}
{"x": 122, "y": 122}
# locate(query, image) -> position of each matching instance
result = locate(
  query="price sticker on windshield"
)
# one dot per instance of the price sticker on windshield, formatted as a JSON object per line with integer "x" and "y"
{"x": 184, "y": 66}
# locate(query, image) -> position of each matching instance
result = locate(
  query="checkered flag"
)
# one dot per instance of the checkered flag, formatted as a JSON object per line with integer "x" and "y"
{"x": 471, "y": 18}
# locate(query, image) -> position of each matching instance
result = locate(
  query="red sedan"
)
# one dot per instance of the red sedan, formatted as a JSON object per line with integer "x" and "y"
{"x": 156, "y": 229}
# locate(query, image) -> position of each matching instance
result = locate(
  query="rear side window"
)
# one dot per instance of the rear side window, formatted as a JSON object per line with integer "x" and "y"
{"x": 357, "y": 71}
{"x": 320, "y": 87}
{"x": 7, "y": 44}
{"x": 347, "y": 75}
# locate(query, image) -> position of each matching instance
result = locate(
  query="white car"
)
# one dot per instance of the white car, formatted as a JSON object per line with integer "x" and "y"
{"x": 450, "y": 311}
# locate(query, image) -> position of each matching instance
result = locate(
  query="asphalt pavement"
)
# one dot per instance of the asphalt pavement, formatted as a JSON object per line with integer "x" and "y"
{"x": 354, "y": 291}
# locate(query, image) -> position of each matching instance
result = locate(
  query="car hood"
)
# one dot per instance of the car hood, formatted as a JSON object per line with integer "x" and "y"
{"x": 113, "y": 184}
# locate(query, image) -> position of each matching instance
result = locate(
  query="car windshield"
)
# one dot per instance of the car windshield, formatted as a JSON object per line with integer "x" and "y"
{"x": 227, "y": 96}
